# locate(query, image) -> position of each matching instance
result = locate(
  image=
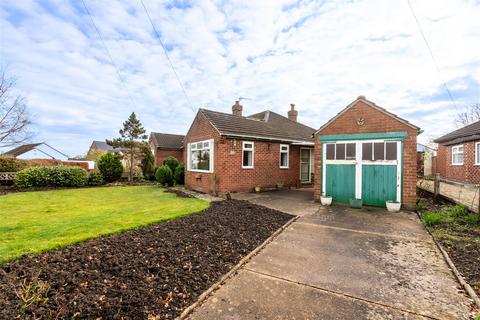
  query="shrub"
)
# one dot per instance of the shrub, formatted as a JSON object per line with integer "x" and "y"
{"x": 8, "y": 164}
{"x": 420, "y": 206}
{"x": 457, "y": 211}
{"x": 473, "y": 219}
{"x": 95, "y": 179}
{"x": 164, "y": 175}
{"x": 431, "y": 219}
{"x": 54, "y": 176}
{"x": 148, "y": 164}
{"x": 110, "y": 167}
{"x": 171, "y": 162}
{"x": 179, "y": 174}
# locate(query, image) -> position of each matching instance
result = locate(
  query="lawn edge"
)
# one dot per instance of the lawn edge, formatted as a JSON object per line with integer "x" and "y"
{"x": 454, "y": 269}
{"x": 206, "y": 294}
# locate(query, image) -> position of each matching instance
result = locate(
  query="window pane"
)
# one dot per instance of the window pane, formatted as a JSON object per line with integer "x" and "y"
{"x": 284, "y": 148}
{"x": 340, "y": 155}
{"x": 247, "y": 158}
{"x": 205, "y": 144}
{"x": 350, "y": 151}
{"x": 199, "y": 145}
{"x": 378, "y": 151}
{"x": 367, "y": 151}
{"x": 391, "y": 150}
{"x": 283, "y": 159}
{"x": 204, "y": 160}
{"x": 330, "y": 152}
{"x": 247, "y": 146}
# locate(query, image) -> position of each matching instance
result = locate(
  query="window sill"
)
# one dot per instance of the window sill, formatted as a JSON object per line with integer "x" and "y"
{"x": 457, "y": 164}
{"x": 284, "y": 168}
{"x": 247, "y": 167}
{"x": 200, "y": 171}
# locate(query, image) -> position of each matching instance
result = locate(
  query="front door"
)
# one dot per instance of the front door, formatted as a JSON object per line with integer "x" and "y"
{"x": 305, "y": 165}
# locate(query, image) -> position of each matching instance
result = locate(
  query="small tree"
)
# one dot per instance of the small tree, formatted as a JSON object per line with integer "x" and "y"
{"x": 14, "y": 118}
{"x": 132, "y": 137}
{"x": 172, "y": 162}
{"x": 469, "y": 115}
{"x": 147, "y": 163}
{"x": 164, "y": 175}
{"x": 110, "y": 167}
{"x": 179, "y": 174}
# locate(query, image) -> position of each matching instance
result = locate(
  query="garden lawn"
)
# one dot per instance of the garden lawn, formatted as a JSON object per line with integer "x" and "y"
{"x": 33, "y": 222}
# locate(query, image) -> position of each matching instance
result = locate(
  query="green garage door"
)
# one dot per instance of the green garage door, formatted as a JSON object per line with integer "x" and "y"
{"x": 379, "y": 184}
{"x": 340, "y": 182}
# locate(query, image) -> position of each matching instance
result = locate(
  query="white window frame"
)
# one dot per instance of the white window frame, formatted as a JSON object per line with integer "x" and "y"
{"x": 210, "y": 147}
{"x": 477, "y": 155}
{"x": 288, "y": 156}
{"x": 457, "y": 152}
{"x": 248, "y": 149}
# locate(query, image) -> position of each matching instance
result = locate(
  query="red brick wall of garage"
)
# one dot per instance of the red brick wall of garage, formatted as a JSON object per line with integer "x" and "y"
{"x": 468, "y": 172}
{"x": 266, "y": 171}
{"x": 162, "y": 154}
{"x": 201, "y": 129}
{"x": 375, "y": 122}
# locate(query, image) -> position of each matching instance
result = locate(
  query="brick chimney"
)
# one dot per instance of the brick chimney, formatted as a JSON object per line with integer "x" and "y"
{"x": 292, "y": 114}
{"x": 237, "y": 109}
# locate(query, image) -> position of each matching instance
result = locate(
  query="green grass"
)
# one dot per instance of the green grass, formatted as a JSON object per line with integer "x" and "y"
{"x": 33, "y": 222}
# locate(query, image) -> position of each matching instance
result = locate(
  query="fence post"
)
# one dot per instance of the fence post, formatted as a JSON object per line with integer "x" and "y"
{"x": 436, "y": 185}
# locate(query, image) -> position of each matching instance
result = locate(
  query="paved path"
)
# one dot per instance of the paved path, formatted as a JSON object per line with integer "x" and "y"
{"x": 340, "y": 263}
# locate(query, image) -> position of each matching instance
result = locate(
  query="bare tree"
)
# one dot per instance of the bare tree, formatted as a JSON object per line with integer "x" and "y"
{"x": 14, "y": 117}
{"x": 469, "y": 115}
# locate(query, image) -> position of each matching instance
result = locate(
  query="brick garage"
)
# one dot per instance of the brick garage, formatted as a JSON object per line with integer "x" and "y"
{"x": 267, "y": 132}
{"x": 466, "y": 142}
{"x": 162, "y": 154}
{"x": 164, "y": 145}
{"x": 361, "y": 122}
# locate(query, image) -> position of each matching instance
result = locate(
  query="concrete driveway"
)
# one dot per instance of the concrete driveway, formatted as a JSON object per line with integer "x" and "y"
{"x": 341, "y": 263}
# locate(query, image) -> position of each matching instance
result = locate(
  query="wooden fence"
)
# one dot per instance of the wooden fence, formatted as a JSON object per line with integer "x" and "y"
{"x": 461, "y": 193}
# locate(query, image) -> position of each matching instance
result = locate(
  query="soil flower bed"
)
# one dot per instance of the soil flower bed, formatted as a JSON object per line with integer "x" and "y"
{"x": 458, "y": 230}
{"x": 149, "y": 273}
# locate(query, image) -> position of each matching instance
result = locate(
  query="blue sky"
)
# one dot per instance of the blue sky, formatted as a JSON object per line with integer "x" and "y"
{"x": 319, "y": 55}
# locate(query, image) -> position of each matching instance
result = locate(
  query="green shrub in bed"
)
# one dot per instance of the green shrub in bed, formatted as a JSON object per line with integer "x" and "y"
{"x": 53, "y": 176}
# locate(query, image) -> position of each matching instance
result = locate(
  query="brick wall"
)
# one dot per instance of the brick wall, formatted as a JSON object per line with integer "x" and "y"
{"x": 162, "y": 154}
{"x": 468, "y": 172}
{"x": 228, "y": 173}
{"x": 375, "y": 122}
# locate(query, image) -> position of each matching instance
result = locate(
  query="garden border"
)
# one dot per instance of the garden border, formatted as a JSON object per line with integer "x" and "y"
{"x": 454, "y": 269}
{"x": 232, "y": 271}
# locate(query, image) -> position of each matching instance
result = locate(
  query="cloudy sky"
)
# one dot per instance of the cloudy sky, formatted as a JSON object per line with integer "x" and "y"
{"x": 319, "y": 55}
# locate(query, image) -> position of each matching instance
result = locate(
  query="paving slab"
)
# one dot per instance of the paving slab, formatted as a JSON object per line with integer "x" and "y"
{"x": 253, "y": 296}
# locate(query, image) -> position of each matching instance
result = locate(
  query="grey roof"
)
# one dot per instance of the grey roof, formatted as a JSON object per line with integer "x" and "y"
{"x": 21, "y": 149}
{"x": 468, "y": 133}
{"x": 167, "y": 140}
{"x": 102, "y": 145}
{"x": 263, "y": 125}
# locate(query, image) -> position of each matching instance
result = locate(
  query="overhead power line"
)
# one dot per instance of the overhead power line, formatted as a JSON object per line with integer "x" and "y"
{"x": 431, "y": 54}
{"x": 168, "y": 57}
{"x": 122, "y": 80}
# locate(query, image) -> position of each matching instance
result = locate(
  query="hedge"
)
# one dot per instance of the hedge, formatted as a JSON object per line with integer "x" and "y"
{"x": 8, "y": 164}
{"x": 54, "y": 176}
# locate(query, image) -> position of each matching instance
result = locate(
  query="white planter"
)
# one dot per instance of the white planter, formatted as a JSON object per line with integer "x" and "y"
{"x": 326, "y": 201}
{"x": 393, "y": 206}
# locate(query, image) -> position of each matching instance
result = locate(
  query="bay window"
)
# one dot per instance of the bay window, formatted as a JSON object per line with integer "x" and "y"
{"x": 200, "y": 156}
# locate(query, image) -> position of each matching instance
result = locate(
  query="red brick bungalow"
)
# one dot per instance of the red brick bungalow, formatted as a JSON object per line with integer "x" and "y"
{"x": 230, "y": 152}
{"x": 368, "y": 153}
{"x": 164, "y": 145}
{"x": 458, "y": 155}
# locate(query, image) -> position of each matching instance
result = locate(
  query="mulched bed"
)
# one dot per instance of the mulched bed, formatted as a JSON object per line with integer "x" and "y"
{"x": 149, "y": 273}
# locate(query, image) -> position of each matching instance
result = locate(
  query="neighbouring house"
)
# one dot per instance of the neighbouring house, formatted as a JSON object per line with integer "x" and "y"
{"x": 42, "y": 154}
{"x": 164, "y": 145}
{"x": 368, "y": 153}
{"x": 458, "y": 154}
{"x": 231, "y": 152}
{"x": 426, "y": 160}
{"x": 101, "y": 147}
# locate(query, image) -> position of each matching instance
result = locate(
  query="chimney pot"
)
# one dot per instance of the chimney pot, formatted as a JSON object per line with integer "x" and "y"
{"x": 292, "y": 114}
{"x": 237, "y": 108}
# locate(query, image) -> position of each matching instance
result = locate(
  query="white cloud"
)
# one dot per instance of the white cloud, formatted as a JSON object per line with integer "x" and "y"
{"x": 317, "y": 54}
